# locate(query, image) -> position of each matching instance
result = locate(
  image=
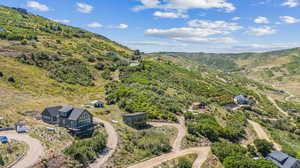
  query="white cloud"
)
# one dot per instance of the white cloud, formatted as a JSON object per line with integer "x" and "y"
{"x": 290, "y": 3}
{"x": 151, "y": 43}
{"x": 185, "y": 5}
{"x": 95, "y": 25}
{"x": 261, "y": 20}
{"x": 261, "y": 31}
{"x": 84, "y": 7}
{"x": 236, "y": 18}
{"x": 191, "y": 35}
{"x": 206, "y": 40}
{"x": 220, "y": 25}
{"x": 62, "y": 20}
{"x": 183, "y": 32}
{"x": 120, "y": 26}
{"x": 37, "y": 6}
{"x": 289, "y": 19}
{"x": 171, "y": 15}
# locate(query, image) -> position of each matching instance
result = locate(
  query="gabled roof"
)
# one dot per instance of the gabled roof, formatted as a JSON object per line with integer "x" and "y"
{"x": 53, "y": 111}
{"x": 65, "y": 109}
{"x": 75, "y": 114}
{"x": 282, "y": 160}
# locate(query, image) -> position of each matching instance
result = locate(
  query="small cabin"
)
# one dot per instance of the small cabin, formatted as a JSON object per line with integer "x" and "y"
{"x": 241, "y": 100}
{"x": 3, "y": 139}
{"x": 198, "y": 105}
{"x": 21, "y": 128}
{"x": 136, "y": 120}
{"x": 97, "y": 104}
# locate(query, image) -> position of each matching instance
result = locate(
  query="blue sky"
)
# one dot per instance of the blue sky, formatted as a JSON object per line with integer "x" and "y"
{"x": 180, "y": 25}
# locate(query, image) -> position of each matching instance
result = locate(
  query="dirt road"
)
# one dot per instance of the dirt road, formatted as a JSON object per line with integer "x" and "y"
{"x": 33, "y": 155}
{"x": 262, "y": 134}
{"x": 112, "y": 144}
{"x": 276, "y": 105}
{"x": 201, "y": 151}
{"x": 180, "y": 135}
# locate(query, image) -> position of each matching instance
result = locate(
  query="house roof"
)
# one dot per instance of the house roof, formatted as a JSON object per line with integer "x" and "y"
{"x": 281, "y": 159}
{"x": 75, "y": 114}
{"x": 53, "y": 111}
{"x": 96, "y": 102}
{"x": 65, "y": 109}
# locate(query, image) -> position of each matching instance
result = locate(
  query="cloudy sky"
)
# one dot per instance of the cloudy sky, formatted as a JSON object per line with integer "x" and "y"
{"x": 180, "y": 25}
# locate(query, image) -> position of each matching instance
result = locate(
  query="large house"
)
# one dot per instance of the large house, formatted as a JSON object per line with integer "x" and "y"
{"x": 68, "y": 117}
{"x": 283, "y": 160}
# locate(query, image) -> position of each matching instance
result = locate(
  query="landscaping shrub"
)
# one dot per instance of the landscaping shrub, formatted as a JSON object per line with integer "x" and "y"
{"x": 1, "y": 160}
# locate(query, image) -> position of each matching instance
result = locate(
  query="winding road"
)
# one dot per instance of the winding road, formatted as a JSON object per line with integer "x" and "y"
{"x": 262, "y": 134}
{"x": 112, "y": 144}
{"x": 202, "y": 152}
{"x": 33, "y": 155}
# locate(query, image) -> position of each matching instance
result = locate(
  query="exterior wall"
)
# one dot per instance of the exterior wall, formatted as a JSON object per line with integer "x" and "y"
{"x": 135, "y": 121}
{"x": 84, "y": 120}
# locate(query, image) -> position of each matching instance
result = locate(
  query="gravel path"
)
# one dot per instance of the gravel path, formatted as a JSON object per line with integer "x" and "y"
{"x": 112, "y": 144}
{"x": 33, "y": 155}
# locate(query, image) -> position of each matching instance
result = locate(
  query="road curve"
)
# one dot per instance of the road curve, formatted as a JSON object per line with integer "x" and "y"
{"x": 262, "y": 134}
{"x": 180, "y": 135}
{"x": 33, "y": 155}
{"x": 112, "y": 143}
{"x": 202, "y": 152}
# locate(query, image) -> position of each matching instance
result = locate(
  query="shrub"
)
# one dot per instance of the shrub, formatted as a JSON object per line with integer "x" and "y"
{"x": 263, "y": 146}
{"x": 87, "y": 150}
{"x": 1, "y": 160}
{"x": 11, "y": 79}
{"x": 246, "y": 162}
{"x": 184, "y": 163}
{"x": 1, "y": 74}
{"x": 72, "y": 71}
{"x": 224, "y": 149}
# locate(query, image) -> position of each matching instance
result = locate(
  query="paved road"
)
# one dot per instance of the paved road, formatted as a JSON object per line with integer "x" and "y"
{"x": 112, "y": 144}
{"x": 262, "y": 134}
{"x": 202, "y": 152}
{"x": 33, "y": 155}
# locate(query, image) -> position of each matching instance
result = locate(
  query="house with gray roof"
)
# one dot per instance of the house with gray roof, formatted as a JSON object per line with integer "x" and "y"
{"x": 74, "y": 119}
{"x": 283, "y": 160}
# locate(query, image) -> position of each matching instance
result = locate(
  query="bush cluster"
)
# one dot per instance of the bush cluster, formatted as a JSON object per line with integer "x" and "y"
{"x": 87, "y": 150}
